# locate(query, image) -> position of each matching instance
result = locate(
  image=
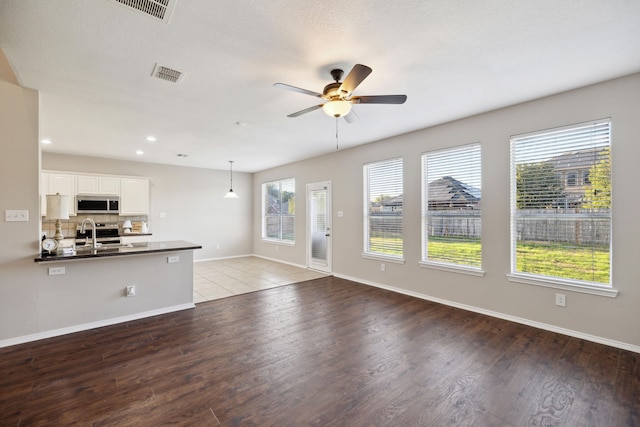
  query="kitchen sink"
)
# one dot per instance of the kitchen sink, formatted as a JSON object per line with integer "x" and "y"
{"x": 83, "y": 250}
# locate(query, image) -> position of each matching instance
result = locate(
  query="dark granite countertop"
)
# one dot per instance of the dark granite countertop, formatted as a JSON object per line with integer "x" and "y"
{"x": 122, "y": 250}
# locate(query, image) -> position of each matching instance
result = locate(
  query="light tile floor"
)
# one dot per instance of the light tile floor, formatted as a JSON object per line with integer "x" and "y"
{"x": 234, "y": 276}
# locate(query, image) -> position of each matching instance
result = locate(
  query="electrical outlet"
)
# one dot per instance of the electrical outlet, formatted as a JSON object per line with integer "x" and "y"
{"x": 383, "y": 267}
{"x": 561, "y": 300}
{"x": 130, "y": 291}
{"x": 54, "y": 271}
{"x": 172, "y": 259}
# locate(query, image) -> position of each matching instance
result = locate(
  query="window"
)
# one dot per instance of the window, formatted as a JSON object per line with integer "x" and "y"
{"x": 278, "y": 210}
{"x": 572, "y": 179}
{"x": 383, "y": 209}
{"x": 451, "y": 206}
{"x": 562, "y": 235}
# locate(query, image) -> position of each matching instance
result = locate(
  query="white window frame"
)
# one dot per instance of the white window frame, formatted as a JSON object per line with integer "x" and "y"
{"x": 265, "y": 215}
{"x": 583, "y": 286}
{"x": 467, "y": 155}
{"x": 367, "y": 192}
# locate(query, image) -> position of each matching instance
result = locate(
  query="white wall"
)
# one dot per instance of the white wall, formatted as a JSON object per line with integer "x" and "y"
{"x": 191, "y": 198}
{"x": 24, "y": 311}
{"x": 35, "y": 305}
{"x": 611, "y": 320}
{"x": 19, "y": 163}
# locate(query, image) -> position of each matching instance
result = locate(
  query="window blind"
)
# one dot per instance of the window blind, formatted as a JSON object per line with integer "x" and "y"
{"x": 278, "y": 221}
{"x": 383, "y": 203}
{"x": 561, "y": 203}
{"x": 451, "y": 206}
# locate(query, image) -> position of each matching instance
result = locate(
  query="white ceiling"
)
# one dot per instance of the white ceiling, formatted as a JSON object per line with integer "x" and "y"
{"x": 92, "y": 63}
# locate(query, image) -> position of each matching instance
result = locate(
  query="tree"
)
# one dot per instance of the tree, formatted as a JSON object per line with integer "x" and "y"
{"x": 598, "y": 194}
{"x": 382, "y": 198}
{"x": 537, "y": 186}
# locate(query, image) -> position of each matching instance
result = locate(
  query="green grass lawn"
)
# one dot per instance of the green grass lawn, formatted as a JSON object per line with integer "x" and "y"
{"x": 547, "y": 259}
{"x": 455, "y": 250}
{"x": 577, "y": 262}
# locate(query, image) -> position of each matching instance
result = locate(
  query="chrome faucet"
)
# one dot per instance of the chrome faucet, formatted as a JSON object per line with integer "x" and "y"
{"x": 93, "y": 231}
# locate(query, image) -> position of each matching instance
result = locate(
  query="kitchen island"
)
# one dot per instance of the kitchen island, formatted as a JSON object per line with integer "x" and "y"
{"x": 95, "y": 288}
{"x": 142, "y": 248}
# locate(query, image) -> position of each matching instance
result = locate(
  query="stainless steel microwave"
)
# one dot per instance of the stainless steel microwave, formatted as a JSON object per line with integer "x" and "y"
{"x": 95, "y": 204}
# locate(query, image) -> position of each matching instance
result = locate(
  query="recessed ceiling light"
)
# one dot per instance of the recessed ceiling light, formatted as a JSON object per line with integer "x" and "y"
{"x": 151, "y": 138}
{"x": 46, "y": 141}
{"x": 139, "y": 152}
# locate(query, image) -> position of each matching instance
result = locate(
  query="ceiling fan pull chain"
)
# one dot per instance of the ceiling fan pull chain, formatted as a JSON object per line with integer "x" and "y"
{"x": 336, "y": 133}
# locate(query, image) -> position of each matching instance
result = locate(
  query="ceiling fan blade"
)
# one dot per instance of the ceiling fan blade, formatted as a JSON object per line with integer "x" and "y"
{"x": 297, "y": 89}
{"x": 379, "y": 99}
{"x": 357, "y": 74}
{"x": 352, "y": 117}
{"x": 305, "y": 111}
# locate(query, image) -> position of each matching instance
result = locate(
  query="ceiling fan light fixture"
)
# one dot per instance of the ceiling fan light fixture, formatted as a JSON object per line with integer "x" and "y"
{"x": 337, "y": 108}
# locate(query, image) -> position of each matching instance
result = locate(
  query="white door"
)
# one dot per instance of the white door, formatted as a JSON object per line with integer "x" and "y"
{"x": 319, "y": 226}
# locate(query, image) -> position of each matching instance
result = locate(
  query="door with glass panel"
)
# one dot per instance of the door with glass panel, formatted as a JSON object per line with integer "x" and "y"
{"x": 319, "y": 226}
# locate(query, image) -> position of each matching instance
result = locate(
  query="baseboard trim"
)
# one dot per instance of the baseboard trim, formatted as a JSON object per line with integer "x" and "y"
{"x": 523, "y": 321}
{"x": 280, "y": 261}
{"x": 92, "y": 325}
{"x": 221, "y": 258}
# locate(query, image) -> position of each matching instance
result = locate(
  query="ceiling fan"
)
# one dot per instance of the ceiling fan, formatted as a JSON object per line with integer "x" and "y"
{"x": 339, "y": 97}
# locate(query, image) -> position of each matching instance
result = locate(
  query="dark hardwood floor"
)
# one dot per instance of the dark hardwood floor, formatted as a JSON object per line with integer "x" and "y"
{"x": 327, "y": 352}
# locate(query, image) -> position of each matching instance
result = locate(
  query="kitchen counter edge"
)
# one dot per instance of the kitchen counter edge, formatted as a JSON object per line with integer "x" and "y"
{"x": 134, "y": 249}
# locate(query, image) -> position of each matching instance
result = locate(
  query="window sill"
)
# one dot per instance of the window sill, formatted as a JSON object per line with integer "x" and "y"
{"x": 279, "y": 242}
{"x": 472, "y": 271}
{"x": 566, "y": 285}
{"x": 390, "y": 259}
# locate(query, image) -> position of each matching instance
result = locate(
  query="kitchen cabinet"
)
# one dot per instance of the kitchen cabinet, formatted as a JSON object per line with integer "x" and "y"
{"x": 133, "y": 191}
{"x": 62, "y": 183}
{"x": 95, "y": 184}
{"x": 134, "y": 196}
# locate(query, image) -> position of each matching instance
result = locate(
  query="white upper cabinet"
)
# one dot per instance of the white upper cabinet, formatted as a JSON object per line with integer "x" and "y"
{"x": 133, "y": 191}
{"x": 134, "y": 196}
{"x": 65, "y": 184}
{"x": 95, "y": 184}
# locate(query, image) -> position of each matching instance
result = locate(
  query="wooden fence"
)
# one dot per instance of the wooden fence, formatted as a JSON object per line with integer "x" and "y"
{"x": 575, "y": 226}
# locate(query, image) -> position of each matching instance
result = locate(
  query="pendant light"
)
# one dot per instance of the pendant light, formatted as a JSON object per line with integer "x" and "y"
{"x": 231, "y": 194}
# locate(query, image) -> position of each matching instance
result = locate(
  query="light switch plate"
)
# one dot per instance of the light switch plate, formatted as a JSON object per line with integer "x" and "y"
{"x": 16, "y": 215}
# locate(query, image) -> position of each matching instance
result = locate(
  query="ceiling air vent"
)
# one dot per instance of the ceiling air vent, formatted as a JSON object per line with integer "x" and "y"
{"x": 166, "y": 73}
{"x": 159, "y": 9}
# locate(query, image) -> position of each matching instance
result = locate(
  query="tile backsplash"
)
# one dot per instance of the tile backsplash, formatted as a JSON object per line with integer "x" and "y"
{"x": 69, "y": 225}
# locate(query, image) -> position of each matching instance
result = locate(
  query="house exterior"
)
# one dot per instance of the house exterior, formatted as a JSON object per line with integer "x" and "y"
{"x": 572, "y": 171}
{"x": 449, "y": 193}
